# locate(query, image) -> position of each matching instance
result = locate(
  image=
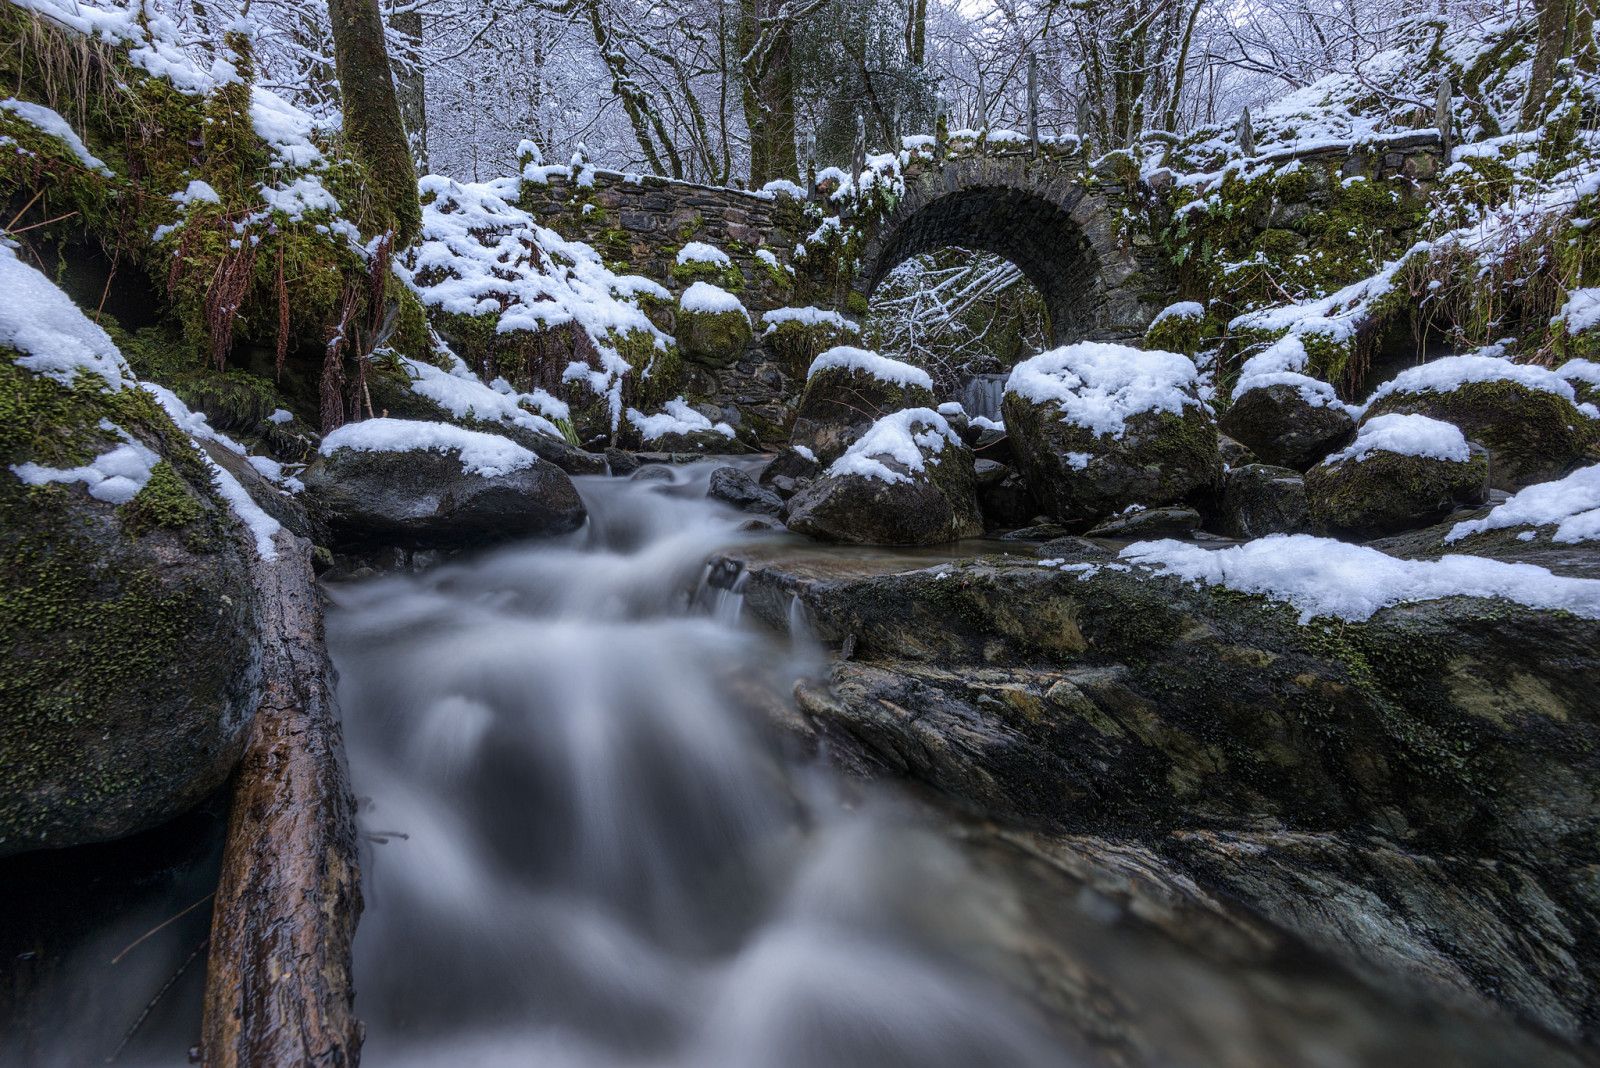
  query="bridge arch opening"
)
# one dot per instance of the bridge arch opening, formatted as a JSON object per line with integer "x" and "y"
{"x": 1037, "y": 234}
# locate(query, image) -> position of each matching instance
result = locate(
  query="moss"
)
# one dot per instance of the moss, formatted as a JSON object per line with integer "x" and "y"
{"x": 1176, "y": 332}
{"x": 1386, "y": 493}
{"x": 727, "y": 277}
{"x": 163, "y": 502}
{"x": 798, "y": 344}
{"x": 715, "y": 339}
{"x": 855, "y": 303}
{"x": 657, "y": 374}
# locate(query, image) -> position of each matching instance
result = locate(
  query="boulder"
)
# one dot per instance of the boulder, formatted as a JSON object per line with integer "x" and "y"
{"x": 1097, "y": 427}
{"x": 1526, "y": 416}
{"x": 740, "y": 490}
{"x": 681, "y": 428}
{"x": 1402, "y": 472}
{"x": 907, "y": 481}
{"x": 791, "y": 463}
{"x": 129, "y": 626}
{"x": 435, "y": 486}
{"x": 847, "y": 390}
{"x": 411, "y": 389}
{"x": 1233, "y": 453}
{"x": 1008, "y": 503}
{"x": 712, "y": 326}
{"x": 620, "y": 463}
{"x": 797, "y": 336}
{"x": 1259, "y": 499}
{"x": 1289, "y": 425}
{"x": 1139, "y": 523}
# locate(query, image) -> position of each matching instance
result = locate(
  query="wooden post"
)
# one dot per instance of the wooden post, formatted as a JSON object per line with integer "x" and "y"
{"x": 1033, "y": 103}
{"x": 1247, "y": 135}
{"x": 1444, "y": 116}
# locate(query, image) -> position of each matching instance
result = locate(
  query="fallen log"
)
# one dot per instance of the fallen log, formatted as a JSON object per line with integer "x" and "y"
{"x": 278, "y": 982}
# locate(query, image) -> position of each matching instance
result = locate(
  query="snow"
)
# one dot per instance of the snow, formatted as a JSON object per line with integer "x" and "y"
{"x": 949, "y": 408}
{"x": 304, "y": 194}
{"x": 1572, "y": 504}
{"x": 1323, "y": 577}
{"x": 263, "y": 528}
{"x": 678, "y": 418}
{"x": 1099, "y": 385}
{"x": 489, "y": 455}
{"x": 1282, "y": 364}
{"x": 983, "y": 422}
{"x": 56, "y": 340}
{"x": 880, "y": 367}
{"x": 54, "y": 125}
{"x": 902, "y": 436}
{"x": 805, "y": 453}
{"x": 114, "y": 477}
{"x": 280, "y": 416}
{"x": 710, "y": 299}
{"x": 1580, "y": 312}
{"x": 1586, "y": 371}
{"x": 197, "y": 190}
{"x": 1407, "y": 435}
{"x": 1078, "y": 460}
{"x": 700, "y": 252}
{"x": 785, "y": 187}
{"x": 1184, "y": 309}
{"x": 809, "y": 317}
{"x": 464, "y": 396}
{"x": 1453, "y": 372}
{"x": 286, "y": 128}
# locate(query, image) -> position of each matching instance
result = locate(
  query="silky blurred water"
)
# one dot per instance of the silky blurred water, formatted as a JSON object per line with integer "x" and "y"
{"x": 586, "y": 847}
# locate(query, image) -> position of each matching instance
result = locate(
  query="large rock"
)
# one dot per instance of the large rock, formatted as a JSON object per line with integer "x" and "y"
{"x": 740, "y": 490}
{"x": 1526, "y": 416}
{"x": 847, "y": 390}
{"x": 907, "y": 481}
{"x": 432, "y": 485}
{"x": 1584, "y": 375}
{"x": 1099, "y": 427}
{"x": 129, "y": 636}
{"x": 1289, "y": 425}
{"x": 1407, "y": 786}
{"x": 1259, "y": 499}
{"x": 680, "y": 428}
{"x": 712, "y": 326}
{"x": 1402, "y": 472}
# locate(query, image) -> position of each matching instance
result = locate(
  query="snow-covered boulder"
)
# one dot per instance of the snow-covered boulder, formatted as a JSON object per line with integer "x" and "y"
{"x": 1289, "y": 423}
{"x": 907, "y": 481}
{"x": 679, "y": 428}
{"x": 1097, "y": 427}
{"x": 1402, "y": 472}
{"x": 847, "y": 389}
{"x": 130, "y": 631}
{"x": 1177, "y": 328}
{"x": 712, "y": 326}
{"x": 797, "y": 336}
{"x": 1528, "y": 417}
{"x": 416, "y": 485}
{"x": 1259, "y": 499}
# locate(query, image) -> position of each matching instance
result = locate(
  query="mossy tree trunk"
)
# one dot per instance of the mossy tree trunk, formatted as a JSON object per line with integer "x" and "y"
{"x": 1550, "y": 41}
{"x": 372, "y": 124}
{"x": 410, "y": 87}
{"x": 766, "y": 40}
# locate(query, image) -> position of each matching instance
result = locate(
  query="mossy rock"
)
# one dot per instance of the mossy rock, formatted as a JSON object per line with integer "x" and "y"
{"x": 1177, "y": 329}
{"x": 797, "y": 344}
{"x": 712, "y": 339}
{"x": 1532, "y": 436}
{"x": 1259, "y": 499}
{"x": 840, "y": 403}
{"x": 1080, "y": 476}
{"x": 129, "y": 637}
{"x": 1281, "y": 427}
{"x": 1386, "y": 493}
{"x": 935, "y": 505}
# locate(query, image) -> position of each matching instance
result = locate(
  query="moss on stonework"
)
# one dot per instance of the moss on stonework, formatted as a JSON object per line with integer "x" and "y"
{"x": 798, "y": 343}
{"x": 727, "y": 277}
{"x": 1176, "y": 332}
{"x": 715, "y": 339}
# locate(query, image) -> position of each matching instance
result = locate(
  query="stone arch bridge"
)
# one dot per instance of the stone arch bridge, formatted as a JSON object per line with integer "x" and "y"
{"x": 1080, "y": 234}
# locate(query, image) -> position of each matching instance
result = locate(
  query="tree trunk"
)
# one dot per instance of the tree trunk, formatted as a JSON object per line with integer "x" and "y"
{"x": 1550, "y": 38}
{"x": 410, "y": 89}
{"x": 278, "y": 985}
{"x": 768, "y": 70}
{"x": 372, "y": 124}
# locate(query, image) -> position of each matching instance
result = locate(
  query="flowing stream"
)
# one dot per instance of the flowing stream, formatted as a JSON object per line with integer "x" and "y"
{"x": 587, "y": 846}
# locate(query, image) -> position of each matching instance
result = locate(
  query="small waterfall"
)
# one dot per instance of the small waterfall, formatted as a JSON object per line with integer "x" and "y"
{"x": 609, "y": 858}
{"x": 981, "y": 394}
